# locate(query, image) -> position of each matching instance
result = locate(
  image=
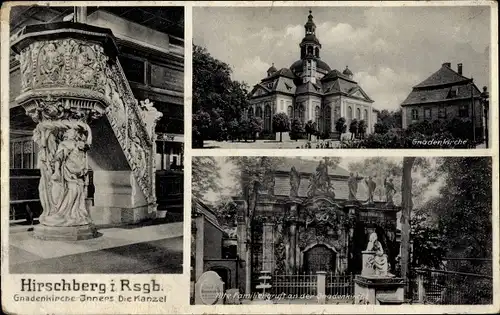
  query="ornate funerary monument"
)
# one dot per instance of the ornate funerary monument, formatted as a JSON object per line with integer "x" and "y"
{"x": 74, "y": 88}
{"x": 308, "y": 220}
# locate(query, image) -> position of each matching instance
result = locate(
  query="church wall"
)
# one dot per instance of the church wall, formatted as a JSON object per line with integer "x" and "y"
{"x": 355, "y": 105}
{"x": 334, "y": 102}
{"x": 282, "y": 103}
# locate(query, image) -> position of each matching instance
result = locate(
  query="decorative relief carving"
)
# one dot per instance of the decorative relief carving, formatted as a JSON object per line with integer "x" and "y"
{"x": 62, "y": 159}
{"x": 82, "y": 69}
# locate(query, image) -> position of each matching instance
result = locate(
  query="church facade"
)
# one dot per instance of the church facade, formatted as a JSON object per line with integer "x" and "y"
{"x": 309, "y": 90}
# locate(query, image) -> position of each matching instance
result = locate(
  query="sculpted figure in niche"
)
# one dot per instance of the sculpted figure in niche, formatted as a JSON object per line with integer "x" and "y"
{"x": 68, "y": 181}
{"x": 352, "y": 182}
{"x": 389, "y": 191}
{"x": 371, "y": 188}
{"x": 379, "y": 260}
{"x": 51, "y": 62}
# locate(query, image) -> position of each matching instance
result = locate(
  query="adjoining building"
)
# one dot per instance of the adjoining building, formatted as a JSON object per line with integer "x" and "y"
{"x": 149, "y": 45}
{"x": 310, "y": 90}
{"x": 444, "y": 95}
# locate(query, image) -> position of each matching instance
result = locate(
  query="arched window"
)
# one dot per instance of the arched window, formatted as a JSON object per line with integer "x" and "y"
{"x": 267, "y": 118}
{"x": 250, "y": 112}
{"x": 302, "y": 113}
{"x": 317, "y": 52}
{"x": 309, "y": 50}
{"x": 349, "y": 115}
{"x": 328, "y": 119}
{"x": 358, "y": 114}
{"x": 317, "y": 117}
{"x": 365, "y": 117}
{"x": 290, "y": 112}
{"x": 282, "y": 105}
{"x": 258, "y": 112}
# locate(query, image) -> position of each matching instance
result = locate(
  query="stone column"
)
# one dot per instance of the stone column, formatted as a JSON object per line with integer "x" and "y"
{"x": 321, "y": 286}
{"x": 293, "y": 238}
{"x": 268, "y": 247}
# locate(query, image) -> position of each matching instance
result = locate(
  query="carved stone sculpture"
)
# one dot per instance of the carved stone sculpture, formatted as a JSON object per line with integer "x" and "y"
{"x": 389, "y": 191}
{"x": 376, "y": 259}
{"x": 294, "y": 182}
{"x": 319, "y": 182}
{"x": 371, "y": 189}
{"x": 352, "y": 182}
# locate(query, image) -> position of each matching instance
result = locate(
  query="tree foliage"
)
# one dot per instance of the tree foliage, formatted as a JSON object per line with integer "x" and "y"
{"x": 205, "y": 176}
{"x": 281, "y": 123}
{"x": 215, "y": 94}
{"x": 340, "y": 126}
{"x": 297, "y": 129}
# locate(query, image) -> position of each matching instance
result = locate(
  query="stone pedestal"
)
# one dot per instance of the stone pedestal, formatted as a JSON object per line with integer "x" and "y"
{"x": 377, "y": 290}
{"x": 65, "y": 233}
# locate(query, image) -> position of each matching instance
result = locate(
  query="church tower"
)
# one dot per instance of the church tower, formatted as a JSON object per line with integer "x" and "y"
{"x": 309, "y": 50}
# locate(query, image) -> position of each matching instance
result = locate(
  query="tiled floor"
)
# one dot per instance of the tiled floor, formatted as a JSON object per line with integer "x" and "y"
{"x": 150, "y": 249}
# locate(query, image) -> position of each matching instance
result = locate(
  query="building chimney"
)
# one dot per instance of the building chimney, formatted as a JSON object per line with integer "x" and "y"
{"x": 447, "y": 64}
{"x": 459, "y": 67}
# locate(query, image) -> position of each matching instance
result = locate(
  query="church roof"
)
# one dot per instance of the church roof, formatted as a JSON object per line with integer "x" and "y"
{"x": 283, "y": 72}
{"x": 310, "y": 38}
{"x": 309, "y": 87}
{"x": 336, "y": 82}
{"x": 444, "y": 76}
{"x": 298, "y": 65}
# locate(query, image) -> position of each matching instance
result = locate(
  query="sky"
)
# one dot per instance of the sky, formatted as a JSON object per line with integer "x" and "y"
{"x": 389, "y": 49}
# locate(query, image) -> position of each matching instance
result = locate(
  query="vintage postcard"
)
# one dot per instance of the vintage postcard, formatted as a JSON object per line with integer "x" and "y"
{"x": 131, "y": 183}
{"x": 342, "y": 77}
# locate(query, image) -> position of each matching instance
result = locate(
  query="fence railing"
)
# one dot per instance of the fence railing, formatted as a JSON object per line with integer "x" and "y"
{"x": 449, "y": 287}
{"x": 295, "y": 285}
{"x": 340, "y": 285}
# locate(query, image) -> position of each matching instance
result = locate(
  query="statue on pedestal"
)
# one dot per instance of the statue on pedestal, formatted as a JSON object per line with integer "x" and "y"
{"x": 371, "y": 189}
{"x": 389, "y": 191}
{"x": 64, "y": 168}
{"x": 294, "y": 182}
{"x": 353, "y": 186}
{"x": 378, "y": 260}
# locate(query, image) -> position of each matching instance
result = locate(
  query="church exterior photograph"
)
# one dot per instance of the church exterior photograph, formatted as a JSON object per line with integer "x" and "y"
{"x": 96, "y": 139}
{"x": 330, "y": 230}
{"x": 339, "y": 77}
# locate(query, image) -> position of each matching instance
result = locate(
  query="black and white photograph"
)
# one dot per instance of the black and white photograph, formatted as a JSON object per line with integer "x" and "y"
{"x": 341, "y": 77}
{"x": 96, "y": 140}
{"x": 342, "y": 230}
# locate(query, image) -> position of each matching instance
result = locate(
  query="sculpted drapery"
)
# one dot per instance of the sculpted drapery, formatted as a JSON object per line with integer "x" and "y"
{"x": 63, "y": 166}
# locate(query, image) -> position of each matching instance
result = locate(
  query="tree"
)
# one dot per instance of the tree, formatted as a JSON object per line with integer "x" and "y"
{"x": 340, "y": 127}
{"x": 407, "y": 204}
{"x": 353, "y": 128}
{"x": 281, "y": 123}
{"x": 244, "y": 129}
{"x": 381, "y": 128}
{"x": 205, "y": 176}
{"x": 297, "y": 129}
{"x": 256, "y": 125}
{"x": 233, "y": 130}
{"x": 361, "y": 129}
{"x": 214, "y": 93}
{"x": 201, "y": 125}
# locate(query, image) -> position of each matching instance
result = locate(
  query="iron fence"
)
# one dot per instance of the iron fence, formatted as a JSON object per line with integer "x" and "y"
{"x": 340, "y": 285}
{"x": 295, "y": 285}
{"x": 449, "y": 287}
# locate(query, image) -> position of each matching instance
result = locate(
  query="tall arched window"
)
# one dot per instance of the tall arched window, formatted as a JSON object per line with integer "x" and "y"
{"x": 250, "y": 112}
{"x": 258, "y": 112}
{"x": 317, "y": 117}
{"x": 267, "y": 118}
{"x": 317, "y": 52}
{"x": 282, "y": 105}
{"x": 328, "y": 119}
{"x": 290, "y": 112}
{"x": 302, "y": 113}
{"x": 358, "y": 114}
{"x": 349, "y": 115}
{"x": 365, "y": 116}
